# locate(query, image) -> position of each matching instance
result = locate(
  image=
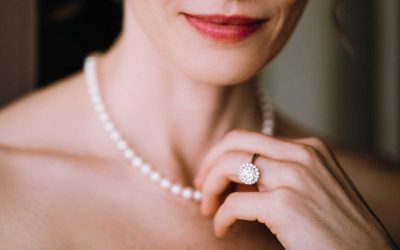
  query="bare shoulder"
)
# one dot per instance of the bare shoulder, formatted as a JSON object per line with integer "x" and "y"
{"x": 26, "y": 198}
{"x": 54, "y": 118}
{"x": 369, "y": 166}
{"x": 377, "y": 177}
{"x": 37, "y": 118}
{"x": 46, "y": 197}
{"x": 43, "y": 170}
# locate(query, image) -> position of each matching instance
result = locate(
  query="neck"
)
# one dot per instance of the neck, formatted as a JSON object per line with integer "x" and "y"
{"x": 169, "y": 119}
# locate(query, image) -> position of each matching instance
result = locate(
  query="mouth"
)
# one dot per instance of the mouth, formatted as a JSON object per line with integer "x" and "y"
{"x": 225, "y": 29}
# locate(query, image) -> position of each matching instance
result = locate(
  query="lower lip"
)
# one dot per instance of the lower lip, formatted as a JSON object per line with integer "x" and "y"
{"x": 223, "y": 33}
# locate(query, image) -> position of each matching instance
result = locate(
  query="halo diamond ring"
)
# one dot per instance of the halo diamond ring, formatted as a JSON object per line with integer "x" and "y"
{"x": 248, "y": 172}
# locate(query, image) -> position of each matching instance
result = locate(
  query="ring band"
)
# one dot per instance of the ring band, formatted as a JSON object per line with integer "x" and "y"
{"x": 253, "y": 158}
{"x": 248, "y": 172}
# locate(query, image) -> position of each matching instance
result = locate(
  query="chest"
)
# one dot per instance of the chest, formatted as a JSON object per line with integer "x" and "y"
{"x": 159, "y": 232}
{"x": 151, "y": 219}
{"x": 79, "y": 208}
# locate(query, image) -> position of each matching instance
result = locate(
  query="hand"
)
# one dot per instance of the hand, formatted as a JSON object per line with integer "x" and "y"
{"x": 303, "y": 196}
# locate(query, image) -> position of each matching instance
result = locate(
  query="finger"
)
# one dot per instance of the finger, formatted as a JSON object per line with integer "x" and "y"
{"x": 237, "y": 206}
{"x": 273, "y": 174}
{"x": 250, "y": 206}
{"x": 332, "y": 165}
{"x": 254, "y": 142}
{"x": 323, "y": 152}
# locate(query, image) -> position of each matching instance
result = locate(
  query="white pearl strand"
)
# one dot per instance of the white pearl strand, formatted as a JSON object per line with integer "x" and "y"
{"x": 136, "y": 161}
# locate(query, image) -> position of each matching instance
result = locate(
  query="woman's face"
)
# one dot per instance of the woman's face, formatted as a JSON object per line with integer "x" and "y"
{"x": 216, "y": 50}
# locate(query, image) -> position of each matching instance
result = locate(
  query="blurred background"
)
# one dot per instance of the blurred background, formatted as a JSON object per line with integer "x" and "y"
{"x": 343, "y": 81}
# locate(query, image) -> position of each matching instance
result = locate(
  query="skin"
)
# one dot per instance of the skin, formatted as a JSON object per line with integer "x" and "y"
{"x": 63, "y": 185}
{"x": 306, "y": 189}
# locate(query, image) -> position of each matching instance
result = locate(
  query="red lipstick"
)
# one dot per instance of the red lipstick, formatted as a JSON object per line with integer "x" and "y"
{"x": 221, "y": 28}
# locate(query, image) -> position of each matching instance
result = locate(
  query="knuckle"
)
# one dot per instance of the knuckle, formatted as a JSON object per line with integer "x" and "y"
{"x": 231, "y": 201}
{"x": 319, "y": 145}
{"x": 228, "y": 158}
{"x": 283, "y": 198}
{"x": 300, "y": 178}
{"x": 306, "y": 153}
{"x": 236, "y": 133}
{"x": 296, "y": 173}
{"x": 316, "y": 142}
{"x": 224, "y": 157}
{"x": 233, "y": 197}
{"x": 265, "y": 214}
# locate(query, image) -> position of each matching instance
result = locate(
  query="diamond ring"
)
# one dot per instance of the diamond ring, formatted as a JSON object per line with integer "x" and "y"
{"x": 248, "y": 172}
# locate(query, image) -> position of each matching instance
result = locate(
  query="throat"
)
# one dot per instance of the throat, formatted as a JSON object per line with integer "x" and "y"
{"x": 173, "y": 123}
{"x": 189, "y": 133}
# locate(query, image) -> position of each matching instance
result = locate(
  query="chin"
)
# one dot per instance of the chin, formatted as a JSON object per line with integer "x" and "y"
{"x": 220, "y": 65}
{"x": 221, "y": 71}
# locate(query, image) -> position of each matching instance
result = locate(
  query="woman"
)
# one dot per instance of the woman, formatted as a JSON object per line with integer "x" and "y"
{"x": 180, "y": 85}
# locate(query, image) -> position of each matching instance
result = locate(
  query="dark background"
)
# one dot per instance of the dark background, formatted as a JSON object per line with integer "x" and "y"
{"x": 69, "y": 30}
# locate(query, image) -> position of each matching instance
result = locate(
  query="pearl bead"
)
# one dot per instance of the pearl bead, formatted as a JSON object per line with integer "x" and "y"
{"x": 122, "y": 145}
{"x": 187, "y": 193}
{"x": 267, "y": 123}
{"x": 267, "y": 131}
{"x": 137, "y": 161}
{"x": 155, "y": 176}
{"x": 176, "y": 189}
{"x": 99, "y": 107}
{"x": 115, "y": 136}
{"x": 104, "y": 117}
{"x": 165, "y": 183}
{"x": 96, "y": 99}
{"x": 145, "y": 168}
{"x": 128, "y": 153}
{"x": 109, "y": 126}
{"x": 93, "y": 91}
{"x": 197, "y": 195}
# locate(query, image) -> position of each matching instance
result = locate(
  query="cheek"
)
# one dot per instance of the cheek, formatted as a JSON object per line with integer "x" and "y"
{"x": 151, "y": 20}
{"x": 154, "y": 16}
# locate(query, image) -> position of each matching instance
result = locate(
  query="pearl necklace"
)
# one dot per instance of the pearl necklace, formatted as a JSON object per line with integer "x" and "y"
{"x": 136, "y": 161}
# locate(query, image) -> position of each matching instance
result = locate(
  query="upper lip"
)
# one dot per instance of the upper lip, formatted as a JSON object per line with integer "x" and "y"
{"x": 227, "y": 20}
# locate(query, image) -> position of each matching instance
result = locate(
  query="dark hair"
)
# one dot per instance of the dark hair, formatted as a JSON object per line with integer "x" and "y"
{"x": 336, "y": 13}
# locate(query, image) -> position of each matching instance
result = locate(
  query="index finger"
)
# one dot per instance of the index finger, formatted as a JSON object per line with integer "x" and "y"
{"x": 252, "y": 142}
